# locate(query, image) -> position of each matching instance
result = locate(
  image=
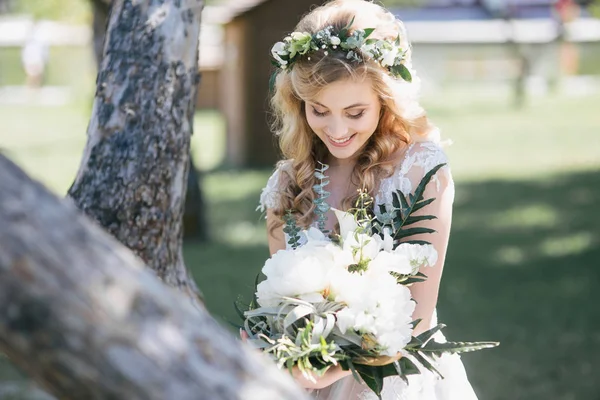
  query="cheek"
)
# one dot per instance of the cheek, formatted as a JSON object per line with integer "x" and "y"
{"x": 368, "y": 124}
{"x": 315, "y": 123}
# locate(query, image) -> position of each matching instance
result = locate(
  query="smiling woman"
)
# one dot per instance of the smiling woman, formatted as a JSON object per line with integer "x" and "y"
{"x": 346, "y": 95}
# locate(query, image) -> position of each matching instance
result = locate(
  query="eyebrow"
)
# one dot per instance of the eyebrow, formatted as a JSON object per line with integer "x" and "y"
{"x": 351, "y": 106}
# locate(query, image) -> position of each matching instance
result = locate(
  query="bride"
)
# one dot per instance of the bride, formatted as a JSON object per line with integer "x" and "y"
{"x": 352, "y": 104}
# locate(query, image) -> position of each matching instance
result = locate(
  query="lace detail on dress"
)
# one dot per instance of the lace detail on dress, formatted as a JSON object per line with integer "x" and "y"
{"x": 269, "y": 197}
{"x": 422, "y": 155}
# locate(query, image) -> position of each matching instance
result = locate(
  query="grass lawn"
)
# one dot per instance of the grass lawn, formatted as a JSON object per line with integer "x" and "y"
{"x": 525, "y": 246}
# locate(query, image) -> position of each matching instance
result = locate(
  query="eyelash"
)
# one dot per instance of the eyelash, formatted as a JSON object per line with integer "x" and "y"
{"x": 355, "y": 116}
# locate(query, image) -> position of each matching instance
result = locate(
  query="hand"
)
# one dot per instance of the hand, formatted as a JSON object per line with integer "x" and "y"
{"x": 332, "y": 375}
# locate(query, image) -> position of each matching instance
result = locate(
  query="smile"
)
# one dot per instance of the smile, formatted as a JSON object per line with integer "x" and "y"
{"x": 342, "y": 141}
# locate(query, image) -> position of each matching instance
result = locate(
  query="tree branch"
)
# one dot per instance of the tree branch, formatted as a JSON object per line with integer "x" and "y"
{"x": 84, "y": 317}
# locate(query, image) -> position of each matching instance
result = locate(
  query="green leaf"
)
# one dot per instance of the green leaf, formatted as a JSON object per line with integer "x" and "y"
{"x": 438, "y": 349}
{"x": 422, "y": 242}
{"x": 402, "y": 199}
{"x": 272, "y": 81}
{"x": 350, "y": 23}
{"x": 420, "y": 204}
{"x": 413, "y": 231}
{"x": 254, "y": 297}
{"x": 416, "y": 322}
{"x": 412, "y": 220}
{"x": 425, "y": 336}
{"x": 426, "y": 363}
{"x": 421, "y": 188}
{"x": 413, "y": 279}
{"x": 396, "y": 199}
{"x": 372, "y": 377}
{"x": 408, "y": 367}
{"x": 401, "y": 71}
{"x": 368, "y": 32}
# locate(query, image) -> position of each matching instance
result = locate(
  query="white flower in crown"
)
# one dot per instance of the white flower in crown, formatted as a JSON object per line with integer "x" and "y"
{"x": 389, "y": 57}
{"x": 334, "y": 40}
{"x": 278, "y": 50}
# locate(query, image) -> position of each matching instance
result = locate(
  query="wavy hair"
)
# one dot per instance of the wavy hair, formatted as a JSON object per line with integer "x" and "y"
{"x": 400, "y": 120}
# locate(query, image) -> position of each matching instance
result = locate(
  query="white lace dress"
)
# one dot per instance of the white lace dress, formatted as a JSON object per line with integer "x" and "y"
{"x": 419, "y": 159}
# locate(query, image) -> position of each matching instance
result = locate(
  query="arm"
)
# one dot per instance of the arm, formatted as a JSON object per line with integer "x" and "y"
{"x": 275, "y": 237}
{"x": 426, "y": 293}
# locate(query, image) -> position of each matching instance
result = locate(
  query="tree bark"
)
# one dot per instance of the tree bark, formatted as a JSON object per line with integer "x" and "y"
{"x": 194, "y": 216}
{"x": 133, "y": 175}
{"x": 87, "y": 320}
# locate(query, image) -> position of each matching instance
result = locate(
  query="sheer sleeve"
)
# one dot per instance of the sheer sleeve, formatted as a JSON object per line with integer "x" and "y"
{"x": 269, "y": 197}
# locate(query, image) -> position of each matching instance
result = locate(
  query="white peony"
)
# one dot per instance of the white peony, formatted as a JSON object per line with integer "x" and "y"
{"x": 295, "y": 273}
{"x": 392, "y": 262}
{"x": 346, "y": 220}
{"x": 361, "y": 246}
{"x": 418, "y": 254}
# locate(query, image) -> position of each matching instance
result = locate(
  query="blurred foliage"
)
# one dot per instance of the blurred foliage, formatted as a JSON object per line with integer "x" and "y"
{"x": 594, "y": 8}
{"x": 73, "y": 11}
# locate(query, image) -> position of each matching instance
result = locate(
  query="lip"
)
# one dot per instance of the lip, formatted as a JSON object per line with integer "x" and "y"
{"x": 346, "y": 143}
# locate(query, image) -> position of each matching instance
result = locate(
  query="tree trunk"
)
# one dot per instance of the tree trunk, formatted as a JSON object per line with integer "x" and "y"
{"x": 87, "y": 320}
{"x": 195, "y": 224}
{"x": 133, "y": 174}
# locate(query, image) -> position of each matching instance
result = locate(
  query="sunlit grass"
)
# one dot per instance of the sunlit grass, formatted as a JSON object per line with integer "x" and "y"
{"x": 524, "y": 217}
{"x": 568, "y": 245}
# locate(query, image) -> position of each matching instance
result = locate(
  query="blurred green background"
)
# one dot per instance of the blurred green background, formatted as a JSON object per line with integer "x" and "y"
{"x": 524, "y": 256}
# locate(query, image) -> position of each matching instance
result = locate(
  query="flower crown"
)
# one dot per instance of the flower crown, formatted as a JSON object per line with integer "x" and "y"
{"x": 388, "y": 54}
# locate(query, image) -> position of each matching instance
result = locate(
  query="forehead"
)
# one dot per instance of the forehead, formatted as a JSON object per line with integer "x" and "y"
{"x": 343, "y": 93}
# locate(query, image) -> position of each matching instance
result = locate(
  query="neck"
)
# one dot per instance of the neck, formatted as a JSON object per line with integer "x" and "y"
{"x": 343, "y": 163}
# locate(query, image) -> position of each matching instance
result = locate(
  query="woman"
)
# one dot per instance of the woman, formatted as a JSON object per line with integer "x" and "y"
{"x": 350, "y": 102}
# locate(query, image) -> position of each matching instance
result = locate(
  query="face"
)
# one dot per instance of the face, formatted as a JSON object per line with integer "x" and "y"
{"x": 344, "y": 116}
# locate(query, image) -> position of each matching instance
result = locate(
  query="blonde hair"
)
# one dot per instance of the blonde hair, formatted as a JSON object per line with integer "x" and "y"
{"x": 401, "y": 116}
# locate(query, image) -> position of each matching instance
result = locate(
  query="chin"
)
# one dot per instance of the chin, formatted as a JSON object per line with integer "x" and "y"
{"x": 342, "y": 154}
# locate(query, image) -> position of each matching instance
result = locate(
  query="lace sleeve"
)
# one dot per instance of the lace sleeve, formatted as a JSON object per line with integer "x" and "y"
{"x": 420, "y": 158}
{"x": 269, "y": 197}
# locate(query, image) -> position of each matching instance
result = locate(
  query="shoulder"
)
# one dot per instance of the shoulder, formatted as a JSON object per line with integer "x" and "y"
{"x": 418, "y": 159}
{"x": 269, "y": 197}
{"x": 423, "y": 157}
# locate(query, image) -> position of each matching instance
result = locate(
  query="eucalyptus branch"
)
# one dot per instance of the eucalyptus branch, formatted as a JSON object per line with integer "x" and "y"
{"x": 321, "y": 200}
{"x": 291, "y": 229}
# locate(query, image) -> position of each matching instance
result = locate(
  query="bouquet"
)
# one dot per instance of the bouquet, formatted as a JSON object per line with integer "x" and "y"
{"x": 344, "y": 298}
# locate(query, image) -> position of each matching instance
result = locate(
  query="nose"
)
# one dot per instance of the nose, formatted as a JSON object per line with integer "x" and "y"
{"x": 337, "y": 130}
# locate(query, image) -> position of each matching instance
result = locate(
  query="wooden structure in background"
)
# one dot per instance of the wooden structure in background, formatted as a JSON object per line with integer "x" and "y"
{"x": 253, "y": 27}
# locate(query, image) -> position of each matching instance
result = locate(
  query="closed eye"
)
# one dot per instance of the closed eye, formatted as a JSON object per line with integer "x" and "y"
{"x": 324, "y": 113}
{"x": 319, "y": 114}
{"x": 356, "y": 116}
